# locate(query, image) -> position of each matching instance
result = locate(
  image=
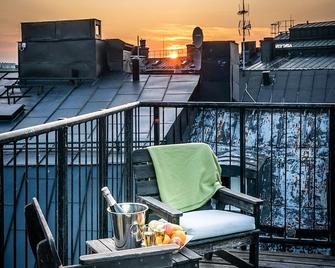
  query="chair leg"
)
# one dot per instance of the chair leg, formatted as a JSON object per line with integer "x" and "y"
{"x": 233, "y": 259}
{"x": 208, "y": 256}
{"x": 254, "y": 252}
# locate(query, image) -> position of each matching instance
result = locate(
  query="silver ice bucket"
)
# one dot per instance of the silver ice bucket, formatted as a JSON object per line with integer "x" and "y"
{"x": 128, "y": 227}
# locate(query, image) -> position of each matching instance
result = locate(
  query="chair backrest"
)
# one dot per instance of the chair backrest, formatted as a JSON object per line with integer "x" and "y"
{"x": 145, "y": 176}
{"x": 40, "y": 237}
{"x": 144, "y": 173}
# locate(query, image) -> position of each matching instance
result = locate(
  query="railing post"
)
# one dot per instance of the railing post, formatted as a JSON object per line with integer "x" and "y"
{"x": 2, "y": 218}
{"x": 156, "y": 125}
{"x": 331, "y": 206}
{"x": 128, "y": 150}
{"x": 103, "y": 162}
{"x": 62, "y": 217}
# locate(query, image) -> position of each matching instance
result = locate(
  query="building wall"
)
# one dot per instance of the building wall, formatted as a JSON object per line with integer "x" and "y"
{"x": 61, "y": 50}
{"x": 219, "y": 68}
{"x": 63, "y": 59}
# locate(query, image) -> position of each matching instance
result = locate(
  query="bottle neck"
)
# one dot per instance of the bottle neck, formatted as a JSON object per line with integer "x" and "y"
{"x": 111, "y": 201}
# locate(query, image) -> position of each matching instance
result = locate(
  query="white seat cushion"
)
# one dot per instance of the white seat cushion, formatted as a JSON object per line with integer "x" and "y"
{"x": 210, "y": 223}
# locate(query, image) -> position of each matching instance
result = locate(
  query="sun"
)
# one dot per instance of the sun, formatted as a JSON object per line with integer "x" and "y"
{"x": 173, "y": 55}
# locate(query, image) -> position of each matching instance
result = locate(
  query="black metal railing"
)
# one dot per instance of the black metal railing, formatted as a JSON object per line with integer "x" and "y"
{"x": 65, "y": 163}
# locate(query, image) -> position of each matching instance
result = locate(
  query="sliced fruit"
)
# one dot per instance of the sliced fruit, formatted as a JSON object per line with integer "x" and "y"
{"x": 169, "y": 229}
{"x": 159, "y": 240}
{"x": 166, "y": 239}
{"x": 177, "y": 227}
{"x": 156, "y": 225}
{"x": 177, "y": 240}
{"x": 180, "y": 234}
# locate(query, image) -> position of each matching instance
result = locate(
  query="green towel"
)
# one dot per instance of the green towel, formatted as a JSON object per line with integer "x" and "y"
{"x": 187, "y": 174}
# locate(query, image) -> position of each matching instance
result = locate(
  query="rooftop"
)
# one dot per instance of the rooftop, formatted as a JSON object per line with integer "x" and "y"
{"x": 296, "y": 63}
{"x": 289, "y": 85}
{"x": 62, "y": 99}
{"x": 324, "y": 43}
{"x": 314, "y": 24}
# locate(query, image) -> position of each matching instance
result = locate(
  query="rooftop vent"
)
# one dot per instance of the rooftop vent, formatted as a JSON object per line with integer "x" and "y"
{"x": 266, "y": 78}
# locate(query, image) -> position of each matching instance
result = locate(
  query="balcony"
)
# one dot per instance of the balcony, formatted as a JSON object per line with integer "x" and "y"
{"x": 283, "y": 153}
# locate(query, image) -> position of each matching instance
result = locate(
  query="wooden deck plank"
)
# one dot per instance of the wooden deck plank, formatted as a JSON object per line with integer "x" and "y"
{"x": 294, "y": 258}
{"x": 276, "y": 260}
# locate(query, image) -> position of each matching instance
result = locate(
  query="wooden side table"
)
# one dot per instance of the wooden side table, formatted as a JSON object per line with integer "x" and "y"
{"x": 185, "y": 258}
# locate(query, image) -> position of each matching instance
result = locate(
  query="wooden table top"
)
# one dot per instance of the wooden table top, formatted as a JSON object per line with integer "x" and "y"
{"x": 106, "y": 245}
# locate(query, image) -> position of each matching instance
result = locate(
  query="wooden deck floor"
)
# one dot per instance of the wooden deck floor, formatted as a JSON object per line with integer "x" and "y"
{"x": 277, "y": 260}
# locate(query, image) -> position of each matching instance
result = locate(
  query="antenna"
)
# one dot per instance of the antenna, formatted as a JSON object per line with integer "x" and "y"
{"x": 244, "y": 26}
{"x": 138, "y": 47}
{"x": 281, "y": 26}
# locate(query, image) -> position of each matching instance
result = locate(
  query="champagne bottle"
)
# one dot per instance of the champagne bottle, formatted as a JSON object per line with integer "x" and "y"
{"x": 111, "y": 201}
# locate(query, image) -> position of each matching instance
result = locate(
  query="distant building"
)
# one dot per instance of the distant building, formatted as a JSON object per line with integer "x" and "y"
{"x": 297, "y": 66}
{"x": 67, "y": 70}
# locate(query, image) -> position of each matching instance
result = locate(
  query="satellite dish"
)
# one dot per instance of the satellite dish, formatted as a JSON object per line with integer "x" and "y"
{"x": 198, "y": 37}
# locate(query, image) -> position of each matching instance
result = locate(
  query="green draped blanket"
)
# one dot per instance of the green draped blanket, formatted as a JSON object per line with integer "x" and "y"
{"x": 187, "y": 174}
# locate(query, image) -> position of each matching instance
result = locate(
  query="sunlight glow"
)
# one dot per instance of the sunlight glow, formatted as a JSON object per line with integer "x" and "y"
{"x": 173, "y": 55}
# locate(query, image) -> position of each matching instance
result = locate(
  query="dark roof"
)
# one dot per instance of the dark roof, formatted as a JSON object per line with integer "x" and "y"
{"x": 282, "y": 36}
{"x": 62, "y": 99}
{"x": 328, "y": 43}
{"x": 297, "y": 63}
{"x": 303, "y": 86}
{"x": 314, "y": 24}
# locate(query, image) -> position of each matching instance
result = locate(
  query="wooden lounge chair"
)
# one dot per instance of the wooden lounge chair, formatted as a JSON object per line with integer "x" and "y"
{"x": 43, "y": 246}
{"x": 147, "y": 192}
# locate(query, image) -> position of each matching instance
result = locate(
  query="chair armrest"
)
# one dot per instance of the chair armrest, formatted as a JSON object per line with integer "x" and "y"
{"x": 132, "y": 257}
{"x": 163, "y": 210}
{"x": 245, "y": 202}
{"x": 240, "y": 196}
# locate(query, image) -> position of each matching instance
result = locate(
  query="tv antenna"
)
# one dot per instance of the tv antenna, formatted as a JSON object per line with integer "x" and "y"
{"x": 281, "y": 26}
{"x": 244, "y": 26}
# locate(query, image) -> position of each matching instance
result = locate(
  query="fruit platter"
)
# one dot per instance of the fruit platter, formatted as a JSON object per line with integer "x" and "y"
{"x": 160, "y": 232}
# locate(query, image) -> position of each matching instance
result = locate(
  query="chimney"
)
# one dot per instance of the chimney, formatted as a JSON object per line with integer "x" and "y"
{"x": 267, "y": 49}
{"x": 266, "y": 78}
{"x": 143, "y": 43}
{"x": 144, "y": 51}
{"x": 136, "y": 69}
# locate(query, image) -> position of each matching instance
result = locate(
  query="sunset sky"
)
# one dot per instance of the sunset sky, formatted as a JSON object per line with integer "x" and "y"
{"x": 155, "y": 20}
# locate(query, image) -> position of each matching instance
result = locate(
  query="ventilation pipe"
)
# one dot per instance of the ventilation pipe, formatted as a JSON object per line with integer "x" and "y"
{"x": 266, "y": 78}
{"x": 136, "y": 69}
